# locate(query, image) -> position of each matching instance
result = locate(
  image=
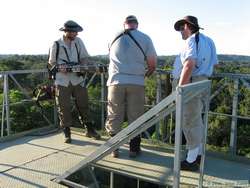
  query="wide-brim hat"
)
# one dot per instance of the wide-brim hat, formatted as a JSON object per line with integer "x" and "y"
{"x": 71, "y": 26}
{"x": 187, "y": 19}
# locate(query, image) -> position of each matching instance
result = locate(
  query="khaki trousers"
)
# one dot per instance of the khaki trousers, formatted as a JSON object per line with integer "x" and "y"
{"x": 123, "y": 99}
{"x": 63, "y": 101}
{"x": 192, "y": 121}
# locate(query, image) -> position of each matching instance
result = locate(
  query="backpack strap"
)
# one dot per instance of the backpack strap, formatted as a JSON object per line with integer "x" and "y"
{"x": 51, "y": 70}
{"x": 78, "y": 53}
{"x": 197, "y": 42}
{"x": 57, "y": 50}
{"x": 65, "y": 50}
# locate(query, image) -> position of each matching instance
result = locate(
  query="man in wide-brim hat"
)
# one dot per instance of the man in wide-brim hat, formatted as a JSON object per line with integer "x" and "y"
{"x": 189, "y": 20}
{"x": 70, "y": 50}
{"x": 71, "y": 26}
{"x": 194, "y": 63}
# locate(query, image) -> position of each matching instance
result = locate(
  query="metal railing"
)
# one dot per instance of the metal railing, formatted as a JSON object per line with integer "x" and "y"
{"x": 225, "y": 82}
{"x": 185, "y": 94}
{"x": 6, "y": 105}
{"x": 236, "y": 78}
{"x": 226, "y": 78}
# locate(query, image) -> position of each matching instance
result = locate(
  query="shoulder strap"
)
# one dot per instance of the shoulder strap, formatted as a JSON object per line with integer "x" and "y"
{"x": 51, "y": 70}
{"x": 117, "y": 37}
{"x": 57, "y": 50}
{"x": 78, "y": 53}
{"x": 77, "y": 50}
{"x": 135, "y": 41}
{"x": 127, "y": 32}
{"x": 197, "y": 42}
{"x": 65, "y": 50}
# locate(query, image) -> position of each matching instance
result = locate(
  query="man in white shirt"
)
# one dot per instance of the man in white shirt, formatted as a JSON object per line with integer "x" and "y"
{"x": 194, "y": 63}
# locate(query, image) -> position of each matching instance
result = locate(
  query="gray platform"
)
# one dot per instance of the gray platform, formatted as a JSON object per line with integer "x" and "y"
{"x": 34, "y": 161}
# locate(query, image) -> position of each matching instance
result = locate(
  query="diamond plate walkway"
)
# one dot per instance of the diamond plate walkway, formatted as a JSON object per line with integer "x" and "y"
{"x": 35, "y": 161}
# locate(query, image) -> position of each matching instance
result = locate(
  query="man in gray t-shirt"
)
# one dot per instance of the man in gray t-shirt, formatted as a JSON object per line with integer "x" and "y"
{"x": 127, "y": 68}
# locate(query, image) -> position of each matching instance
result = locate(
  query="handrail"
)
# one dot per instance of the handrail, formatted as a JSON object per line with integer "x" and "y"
{"x": 6, "y": 104}
{"x": 160, "y": 71}
{"x": 23, "y": 71}
{"x": 148, "y": 119}
{"x": 235, "y": 77}
{"x": 182, "y": 97}
{"x": 243, "y": 78}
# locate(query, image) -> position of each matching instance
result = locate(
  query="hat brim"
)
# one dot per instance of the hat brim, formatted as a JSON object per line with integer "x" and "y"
{"x": 181, "y": 22}
{"x": 75, "y": 29}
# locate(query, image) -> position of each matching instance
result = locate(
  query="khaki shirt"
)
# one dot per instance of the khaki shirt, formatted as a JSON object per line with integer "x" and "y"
{"x": 63, "y": 79}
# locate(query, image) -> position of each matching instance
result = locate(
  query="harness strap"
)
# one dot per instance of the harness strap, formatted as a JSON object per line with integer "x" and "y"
{"x": 135, "y": 41}
{"x": 78, "y": 53}
{"x": 127, "y": 32}
{"x": 197, "y": 42}
{"x": 51, "y": 70}
{"x": 65, "y": 50}
{"x": 117, "y": 37}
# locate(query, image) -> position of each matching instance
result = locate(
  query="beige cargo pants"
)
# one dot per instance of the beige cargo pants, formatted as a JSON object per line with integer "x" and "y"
{"x": 193, "y": 125}
{"x": 124, "y": 99}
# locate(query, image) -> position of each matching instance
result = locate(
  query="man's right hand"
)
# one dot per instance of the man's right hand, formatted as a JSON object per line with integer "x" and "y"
{"x": 151, "y": 61}
{"x": 186, "y": 72}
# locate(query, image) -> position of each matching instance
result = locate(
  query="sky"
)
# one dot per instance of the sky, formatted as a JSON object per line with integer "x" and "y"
{"x": 31, "y": 26}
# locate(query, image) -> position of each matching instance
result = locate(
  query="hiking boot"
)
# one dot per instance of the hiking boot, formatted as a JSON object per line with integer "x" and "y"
{"x": 67, "y": 140}
{"x": 194, "y": 166}
{"x": 198, "y": 159}
{"x": 91, "y": 133}
{"x": 67, "y": 135}
{"x": 134, "y": 154}
{"x": 115, "y": 153}
{"x": 134, "y": 146}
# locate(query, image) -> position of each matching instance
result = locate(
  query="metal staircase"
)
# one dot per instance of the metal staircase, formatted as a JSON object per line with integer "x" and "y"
{"x": 173, "y": 102}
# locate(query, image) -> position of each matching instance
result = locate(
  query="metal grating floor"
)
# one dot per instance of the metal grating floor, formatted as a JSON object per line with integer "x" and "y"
{"x": 34, "y": 161}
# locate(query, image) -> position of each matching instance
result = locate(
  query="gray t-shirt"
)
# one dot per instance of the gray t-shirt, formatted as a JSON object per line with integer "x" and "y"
{"x": 127, "y": 64}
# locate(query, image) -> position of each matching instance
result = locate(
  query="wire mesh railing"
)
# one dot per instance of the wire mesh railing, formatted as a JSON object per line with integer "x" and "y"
{"x": 24, "y": 80}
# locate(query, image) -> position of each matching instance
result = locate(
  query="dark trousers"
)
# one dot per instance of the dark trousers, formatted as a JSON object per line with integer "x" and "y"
{"x": 63, "y": 101}
{"x": 134, "y": 144}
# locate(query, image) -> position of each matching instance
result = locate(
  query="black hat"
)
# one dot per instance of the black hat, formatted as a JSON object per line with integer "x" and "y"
{"x": 71, "y": 26}
{"x": 187, "y": 19}
{"x": 131, "y": 18}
